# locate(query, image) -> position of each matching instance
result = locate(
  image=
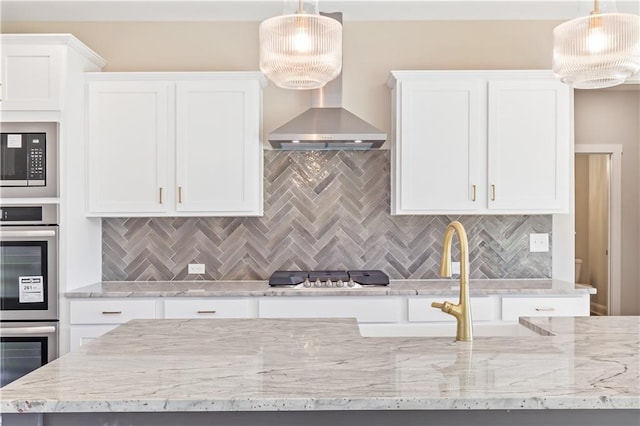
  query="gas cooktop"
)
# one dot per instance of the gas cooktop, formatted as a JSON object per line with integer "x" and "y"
{"x": 334, "y": 279}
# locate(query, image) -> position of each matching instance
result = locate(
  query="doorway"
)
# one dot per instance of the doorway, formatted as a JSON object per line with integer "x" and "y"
{"x": 597, "y": 224}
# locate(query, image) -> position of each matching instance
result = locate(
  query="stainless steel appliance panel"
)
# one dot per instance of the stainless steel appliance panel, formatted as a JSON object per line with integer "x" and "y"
{"x": 25, "y": 346}
{"x": 29, "y": 273}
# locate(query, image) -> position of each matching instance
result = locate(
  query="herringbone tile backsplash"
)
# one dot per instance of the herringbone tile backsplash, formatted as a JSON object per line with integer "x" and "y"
{"x": 323, "y": 210}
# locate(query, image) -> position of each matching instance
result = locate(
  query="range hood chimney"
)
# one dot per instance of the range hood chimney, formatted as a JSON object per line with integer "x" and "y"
{"x": 326, "y": 125}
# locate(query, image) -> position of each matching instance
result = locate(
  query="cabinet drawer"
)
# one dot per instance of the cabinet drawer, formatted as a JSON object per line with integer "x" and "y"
{"x": 514, "y": 307}
{"x": 364, "y": 309}
{"x": 110, "y": 311}
{"x": 207, "y": 308}
{"x": 420, "y": 309}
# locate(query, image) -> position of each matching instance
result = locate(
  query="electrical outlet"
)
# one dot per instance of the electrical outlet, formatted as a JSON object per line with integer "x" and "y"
{"x": 196, "y": 268}
{"x": 538, "y": 243}
{"x": 455, "y": 268}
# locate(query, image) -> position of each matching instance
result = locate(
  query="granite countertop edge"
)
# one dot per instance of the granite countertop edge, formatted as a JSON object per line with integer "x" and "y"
{"x": 538, "y": 388}
{"x": 261, "y": 288}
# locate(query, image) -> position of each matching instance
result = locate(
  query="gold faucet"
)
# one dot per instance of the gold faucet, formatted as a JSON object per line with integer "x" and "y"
{"x": 461, "y": 311}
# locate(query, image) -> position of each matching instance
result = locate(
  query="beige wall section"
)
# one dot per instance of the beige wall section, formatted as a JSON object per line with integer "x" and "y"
{"x": 371, "y": 50}
{"x": 582, "y": 214}
{"x": 613, "y": 117}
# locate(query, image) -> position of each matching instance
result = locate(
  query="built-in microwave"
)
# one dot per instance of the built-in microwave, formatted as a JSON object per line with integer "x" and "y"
{"x": 28, "y": 160}
{"x": 23, "y": 159}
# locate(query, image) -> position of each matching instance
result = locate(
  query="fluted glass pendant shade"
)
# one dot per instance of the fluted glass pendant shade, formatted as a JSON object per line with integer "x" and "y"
{"x": 301, "y": 50}
{"x": 597, "y": 51}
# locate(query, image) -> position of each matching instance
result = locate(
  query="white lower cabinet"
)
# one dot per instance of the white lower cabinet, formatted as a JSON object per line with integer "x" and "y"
{"x": 363, "y": 308}
{"x": 557, "y": 306}
{"x": 420, "y": 309}
{"x": 378, "y": 315}
{"x": 213, "y": 307}
{"x": 90, "y": 319}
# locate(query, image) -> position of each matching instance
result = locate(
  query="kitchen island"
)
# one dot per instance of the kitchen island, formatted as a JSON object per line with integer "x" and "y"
{"x": 322, "y": 371}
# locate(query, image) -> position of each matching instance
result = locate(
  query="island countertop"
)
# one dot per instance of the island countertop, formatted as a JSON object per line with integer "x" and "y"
{"x": 325, "y": 364}
{"x": 109, "y": 289}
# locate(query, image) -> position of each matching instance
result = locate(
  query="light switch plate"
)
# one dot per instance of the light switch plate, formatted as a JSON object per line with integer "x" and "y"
{"x": 196, "y": 268}
{"x": 538, "y": 243}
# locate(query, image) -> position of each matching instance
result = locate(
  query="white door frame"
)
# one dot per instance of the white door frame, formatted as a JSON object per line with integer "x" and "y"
{"x": 615, "y": 221}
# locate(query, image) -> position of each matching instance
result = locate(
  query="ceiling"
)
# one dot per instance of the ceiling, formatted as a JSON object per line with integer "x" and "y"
{"x": 258, "y": 10}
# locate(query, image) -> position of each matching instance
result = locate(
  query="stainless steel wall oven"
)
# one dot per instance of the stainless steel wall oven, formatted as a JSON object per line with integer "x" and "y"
{"x": 28, "y": 289}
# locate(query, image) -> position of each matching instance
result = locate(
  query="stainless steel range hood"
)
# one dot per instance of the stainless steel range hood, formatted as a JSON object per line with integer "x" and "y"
{"x": 326, "y": 125}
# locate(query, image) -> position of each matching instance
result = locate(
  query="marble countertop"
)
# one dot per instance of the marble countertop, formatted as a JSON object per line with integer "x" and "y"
{"x": 324, "y": 364}
{"x": 262, "y": 288}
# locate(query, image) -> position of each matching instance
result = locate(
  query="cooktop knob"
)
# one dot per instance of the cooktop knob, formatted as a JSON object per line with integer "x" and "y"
{"x": 306, "y": 283}
{"x": 340, "y": 283}
{"x": 351, "y": 283}
{"x": 318, "y": 283}
{"x": 328, "y": 283}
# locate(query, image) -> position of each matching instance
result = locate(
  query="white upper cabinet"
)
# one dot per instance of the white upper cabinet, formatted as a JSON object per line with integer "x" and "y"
{"x": 218, "y": 157}
{"x": 480, "y": 142}
{"x": 127, "y": 146}
{"x": 40, "y": 74}
{"x": 440, "y": 155}
{"x": 529, "y": 144}
{"x": 175, "y": 144}
{"x": 31, "y": 77}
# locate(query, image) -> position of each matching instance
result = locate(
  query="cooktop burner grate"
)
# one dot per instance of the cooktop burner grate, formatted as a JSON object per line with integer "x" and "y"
{"x": 335, "y": 279}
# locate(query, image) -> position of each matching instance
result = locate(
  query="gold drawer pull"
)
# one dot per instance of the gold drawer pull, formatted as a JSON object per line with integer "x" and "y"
{"x": 160, "y": 195}
{"x": 474, "y": 193}
{"x": 206, "y": 312}
{"x": 111, "y": 312}
{"x": 545, "y": 309}
{"x": 493, "y": 192}
{"x": 180, "y": 194}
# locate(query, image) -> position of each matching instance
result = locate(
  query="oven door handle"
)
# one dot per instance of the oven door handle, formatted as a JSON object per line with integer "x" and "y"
{"x": 14, "y": 331}
{"x": 27, "y": 234}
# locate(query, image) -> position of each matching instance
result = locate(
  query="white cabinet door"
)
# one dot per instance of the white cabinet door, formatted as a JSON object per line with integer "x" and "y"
{"x": 528, "y": 145}
{"x": 31, "y": 77}
{"x": 214, "y": 307}
{"x": 127, "y": 146}
{"x": 364, "y": 308}
{"x": 110, "y": 311}
{"x": 175, "y": 144}
{"x": 420, "y": 309}
{"x": 548, "y": 306}
{"x": 439, "y": 156}
{"x": 218, "y": 150}
{"x": 480, "y": 142}
{"x": 82, "y": 334}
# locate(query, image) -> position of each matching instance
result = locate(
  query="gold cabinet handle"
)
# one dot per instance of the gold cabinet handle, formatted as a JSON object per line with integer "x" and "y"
{"x": 493, "y": 192}
{"x": 180, "y": 194}
{"x": 111, "y": 312}
{"x": 160, "y": 195}
{"x": 473, "y": 198}
{"x": 545, "y": 309}
{"x": 206, "y": 312}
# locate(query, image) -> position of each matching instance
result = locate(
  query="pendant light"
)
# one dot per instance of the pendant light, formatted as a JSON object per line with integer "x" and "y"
{"x": 596, "y": 51}
{"x": 301, "y": 49}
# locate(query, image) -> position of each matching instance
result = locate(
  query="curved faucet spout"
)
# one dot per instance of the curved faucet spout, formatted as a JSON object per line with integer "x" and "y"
{"x": 461, "y": 311}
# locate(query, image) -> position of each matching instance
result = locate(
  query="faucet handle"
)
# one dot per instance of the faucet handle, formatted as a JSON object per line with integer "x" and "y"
{"x": 437, "y": 305}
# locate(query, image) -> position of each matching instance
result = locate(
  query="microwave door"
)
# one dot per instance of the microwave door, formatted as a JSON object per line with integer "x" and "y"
{"x": 14, "y": 168}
